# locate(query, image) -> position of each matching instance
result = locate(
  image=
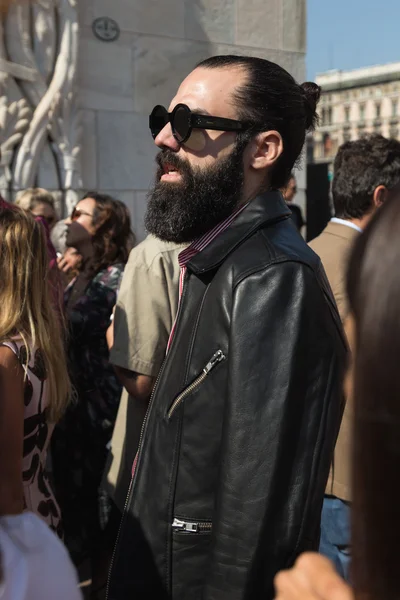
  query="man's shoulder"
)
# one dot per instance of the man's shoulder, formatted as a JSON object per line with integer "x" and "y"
{"x": 274, "y": 245}
{"x": 334, "y": 244}
{"x": 322, "y": 240}
{"x": 334, "y": 235}
{"x": 152, "y": 251}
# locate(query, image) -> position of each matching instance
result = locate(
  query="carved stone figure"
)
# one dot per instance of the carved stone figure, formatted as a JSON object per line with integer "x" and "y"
{"x": 40, "y": 125}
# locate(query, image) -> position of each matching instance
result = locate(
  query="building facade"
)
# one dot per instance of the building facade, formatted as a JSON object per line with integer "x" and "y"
{"x": 78, "y": 79}
{"x": 355, "y": 103}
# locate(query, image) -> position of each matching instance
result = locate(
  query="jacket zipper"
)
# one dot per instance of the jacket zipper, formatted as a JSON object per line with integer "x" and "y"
{"x": 139, "y": 451}
{"x": 213, "y": 362}
{"x": 192, "y": 527}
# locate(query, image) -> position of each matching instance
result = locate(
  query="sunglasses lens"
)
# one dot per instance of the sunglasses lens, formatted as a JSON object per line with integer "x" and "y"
{"x": 181, "y": 123}
{"x": 158, "y": 120}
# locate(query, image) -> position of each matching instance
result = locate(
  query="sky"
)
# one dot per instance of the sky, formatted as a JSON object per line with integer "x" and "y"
{"x": 347, "y": 34}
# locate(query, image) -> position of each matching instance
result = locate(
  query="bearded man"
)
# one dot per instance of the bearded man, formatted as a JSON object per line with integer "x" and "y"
{"x": 230, "y": 476}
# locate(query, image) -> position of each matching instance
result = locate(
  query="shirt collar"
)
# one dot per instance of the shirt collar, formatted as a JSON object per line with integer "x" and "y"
{"x": 347, "y": 223}
{"x": 267, "y": 208}
{"x": 203, "y": 241}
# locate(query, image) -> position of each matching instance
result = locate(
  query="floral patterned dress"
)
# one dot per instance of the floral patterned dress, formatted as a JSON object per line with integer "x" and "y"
{"x": 38, "y": 495}
{"x": 79, "y": 447}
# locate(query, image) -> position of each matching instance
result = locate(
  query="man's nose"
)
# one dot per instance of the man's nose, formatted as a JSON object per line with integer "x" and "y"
{"x": 165, "y": 139}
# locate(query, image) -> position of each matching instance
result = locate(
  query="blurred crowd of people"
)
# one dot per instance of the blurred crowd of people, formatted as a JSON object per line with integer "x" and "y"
{"x": 198, "y": 415}
{"x": 56, "y": 343}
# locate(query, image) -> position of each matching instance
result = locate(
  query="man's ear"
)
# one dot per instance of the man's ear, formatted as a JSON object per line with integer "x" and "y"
{"x": 265, "y": 149}
{"x": 380, "y": 196}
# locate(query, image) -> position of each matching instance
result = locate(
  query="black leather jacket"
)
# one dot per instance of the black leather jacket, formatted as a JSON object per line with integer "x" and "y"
{"x": 241, "y": 428}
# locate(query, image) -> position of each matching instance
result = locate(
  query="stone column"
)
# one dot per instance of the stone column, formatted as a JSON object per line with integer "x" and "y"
{"x": 160, "y": 42}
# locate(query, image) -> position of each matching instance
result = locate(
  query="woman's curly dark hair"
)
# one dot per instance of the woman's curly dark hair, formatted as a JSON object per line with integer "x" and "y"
{"x": 114, "y": 238}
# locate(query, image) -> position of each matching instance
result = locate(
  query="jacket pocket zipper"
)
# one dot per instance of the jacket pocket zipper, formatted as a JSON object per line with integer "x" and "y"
{"x": 213, "y": 362}
{"x": 192, "y": 527}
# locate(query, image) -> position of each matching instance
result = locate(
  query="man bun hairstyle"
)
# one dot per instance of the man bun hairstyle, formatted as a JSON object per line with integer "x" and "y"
{"x": 270, "y": 99}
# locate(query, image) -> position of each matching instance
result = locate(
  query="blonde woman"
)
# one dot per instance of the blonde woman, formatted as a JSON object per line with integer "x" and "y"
{"x": 34, "y": 384}
{"x": 40, "y": 203}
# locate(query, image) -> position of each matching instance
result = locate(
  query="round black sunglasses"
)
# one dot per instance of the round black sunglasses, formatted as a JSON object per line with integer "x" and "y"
{"x": 183, "y": 120}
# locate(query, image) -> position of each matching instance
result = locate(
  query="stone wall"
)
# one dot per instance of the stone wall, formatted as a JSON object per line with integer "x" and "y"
{"x": 160, "y": 42}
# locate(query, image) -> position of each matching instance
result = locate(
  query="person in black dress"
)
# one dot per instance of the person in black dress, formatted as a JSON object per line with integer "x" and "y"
{"x": 99, "y": 228}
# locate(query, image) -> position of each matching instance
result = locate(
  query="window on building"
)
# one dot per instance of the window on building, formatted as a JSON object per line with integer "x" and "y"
{"x": 346, "y": 136}
{"x": 378, "y": 92}
{"x": 362, "y": 112}
{"x": 395, "y": 104}
{"x": 378, "y": 110}
{"x": 323, "y": 116}
{"x": 330, "y": 115}
{"x": 347, "y": 114}
{"x": 394, "y": 132}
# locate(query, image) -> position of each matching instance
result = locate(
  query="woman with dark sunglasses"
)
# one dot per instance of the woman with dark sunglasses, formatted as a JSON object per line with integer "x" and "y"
{"x": 99, "y": 228}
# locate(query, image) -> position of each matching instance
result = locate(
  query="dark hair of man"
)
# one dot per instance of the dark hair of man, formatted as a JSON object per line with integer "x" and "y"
{"x": 114, "y": 238}
{"x": 373, "y": 285}
{"x": 359, "y": 168}
{"x": 270, "y": 99}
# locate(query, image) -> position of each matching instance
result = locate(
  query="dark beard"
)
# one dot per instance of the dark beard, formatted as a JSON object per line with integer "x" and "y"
{"x": 182, "y": 212}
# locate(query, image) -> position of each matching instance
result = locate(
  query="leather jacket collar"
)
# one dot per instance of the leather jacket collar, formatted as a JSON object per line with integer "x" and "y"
{"x": 265, "y": 208}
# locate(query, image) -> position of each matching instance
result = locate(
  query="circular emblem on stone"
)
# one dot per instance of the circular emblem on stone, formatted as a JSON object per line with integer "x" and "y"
{"x": 106, "y": 29}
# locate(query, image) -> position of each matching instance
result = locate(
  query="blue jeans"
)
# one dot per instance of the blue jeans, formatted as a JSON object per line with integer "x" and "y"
{"x": 335, "y": 534}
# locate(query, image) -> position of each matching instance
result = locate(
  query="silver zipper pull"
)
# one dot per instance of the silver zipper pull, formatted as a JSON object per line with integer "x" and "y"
{"x": 217, "y": 358}
{"x": 185, "y": 526}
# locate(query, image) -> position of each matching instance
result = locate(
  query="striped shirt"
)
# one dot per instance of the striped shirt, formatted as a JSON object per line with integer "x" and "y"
{"x": 195, "y": 247}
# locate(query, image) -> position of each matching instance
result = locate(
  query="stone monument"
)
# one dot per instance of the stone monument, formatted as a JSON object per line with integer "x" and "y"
{"x": 78, "y": 79}
{"x": 40, "y": 123}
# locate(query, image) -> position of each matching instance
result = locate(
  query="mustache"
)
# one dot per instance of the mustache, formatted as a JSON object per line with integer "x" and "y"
{"x": 167, "y": 157}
